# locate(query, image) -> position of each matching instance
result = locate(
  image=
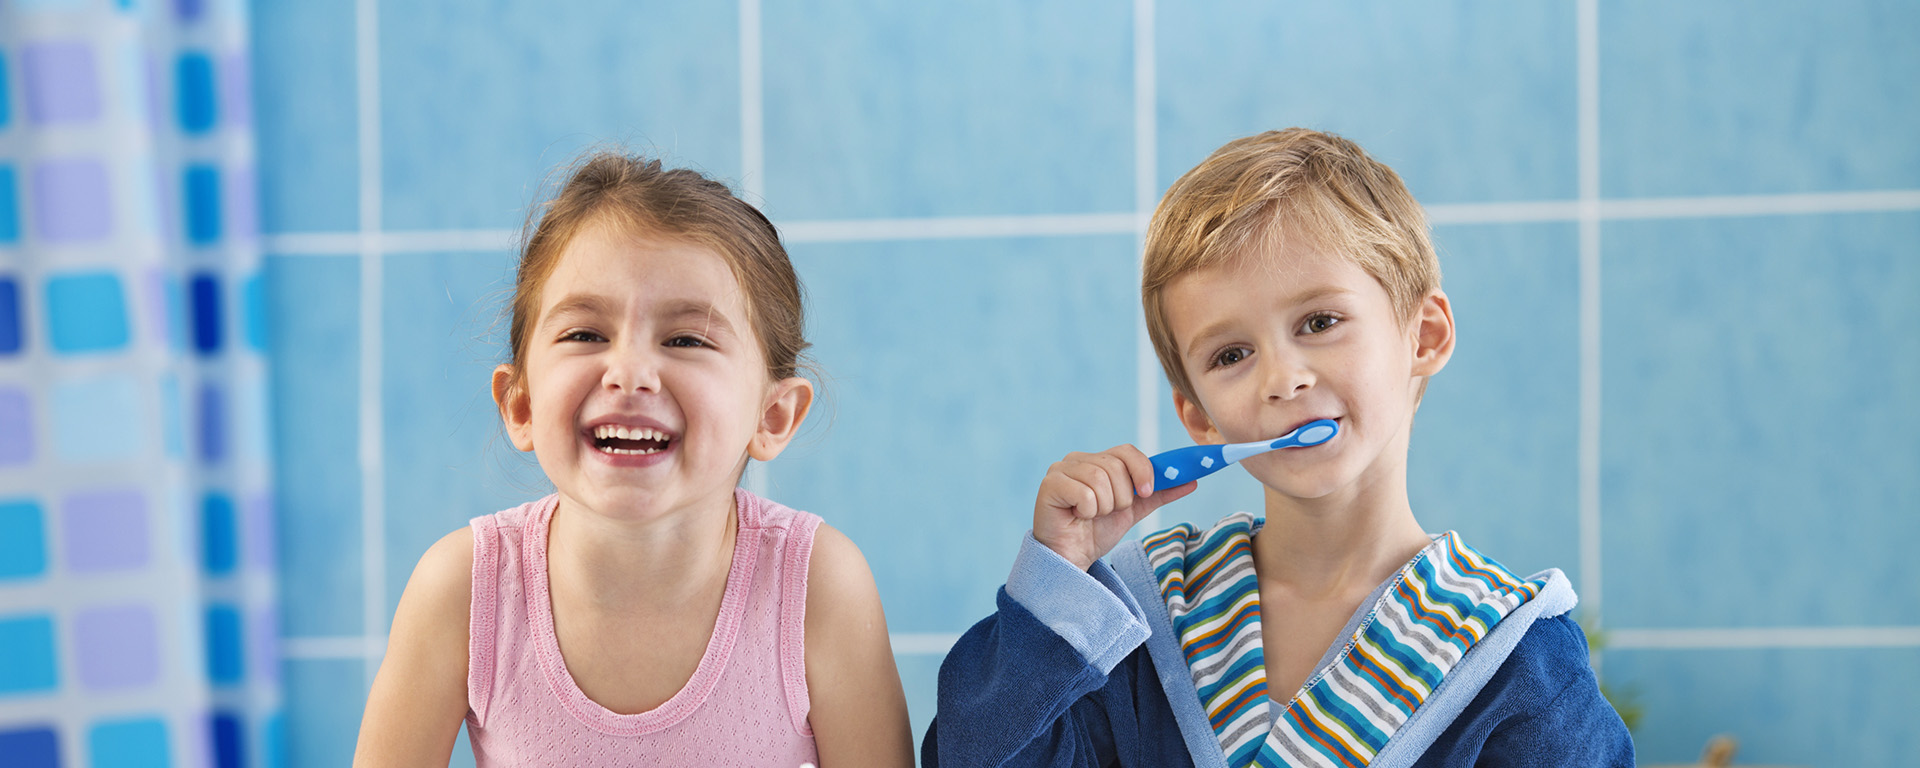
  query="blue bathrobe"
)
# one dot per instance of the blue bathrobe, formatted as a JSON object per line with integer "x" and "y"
{"x": 1083, "y": 668}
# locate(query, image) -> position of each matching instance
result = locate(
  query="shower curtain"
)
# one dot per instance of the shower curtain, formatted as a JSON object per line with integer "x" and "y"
{"x": 138, "y": 618}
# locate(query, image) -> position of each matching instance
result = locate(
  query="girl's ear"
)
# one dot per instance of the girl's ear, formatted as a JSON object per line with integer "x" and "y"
{"x": 516, "y": 409}
{"x": 1432, "y": 334}
{"x": 788, "y": 401}
{"x": 1194, "y": 418}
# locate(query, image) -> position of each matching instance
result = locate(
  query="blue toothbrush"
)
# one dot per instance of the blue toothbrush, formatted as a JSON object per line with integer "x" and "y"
{"x": 1185, "y": 465}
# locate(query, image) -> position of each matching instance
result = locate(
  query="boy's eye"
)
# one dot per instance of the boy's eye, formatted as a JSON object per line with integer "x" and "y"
{"x": 1229, "y": 356}
{"x": 1319, "y": 323}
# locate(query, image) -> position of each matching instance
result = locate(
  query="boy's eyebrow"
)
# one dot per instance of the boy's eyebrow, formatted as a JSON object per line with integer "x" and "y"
{"x": 1220, "y": 326}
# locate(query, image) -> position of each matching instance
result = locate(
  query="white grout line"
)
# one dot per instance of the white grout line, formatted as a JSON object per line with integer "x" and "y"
{"x": 373, "y": 544}
{"x": 453, "y": 240}
{"x": 1588, "y": 140}
{"x": 753, "y": 161}
{"x": 422, "y": 241}
{"x": 1503, "y": 213}
{"x": 1146, "y": 156}
{"x": 1760, "y": 205}
{"x": 1762, "y": 638}
{"x": 950, "y": 227}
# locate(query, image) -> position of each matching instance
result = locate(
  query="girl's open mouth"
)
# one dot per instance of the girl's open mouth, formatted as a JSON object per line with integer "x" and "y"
{"x": 630, "y": 441}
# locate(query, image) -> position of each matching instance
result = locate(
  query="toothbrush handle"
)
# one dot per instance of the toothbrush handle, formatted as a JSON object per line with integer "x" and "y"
{"x": 1184, "y": 465}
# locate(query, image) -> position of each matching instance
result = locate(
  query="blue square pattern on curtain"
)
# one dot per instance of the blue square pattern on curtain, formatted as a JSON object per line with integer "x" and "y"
{"x": 128, "y": 415}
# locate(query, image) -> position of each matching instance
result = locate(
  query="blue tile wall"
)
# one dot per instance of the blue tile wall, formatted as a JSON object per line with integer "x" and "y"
{"x": 314, "y": 375}
{"x": 305, "y": 101}
{"x": 1028, "y": 108}
{"x": 1780, "y": 704}
{"x": 1468, "y": 102}
{"x": 662, "y": 77}
{"x": 445, "y": 335}
{"x": 323, "y": 719}
{"x": 1709, "y": 98}
{"x": 1757, "y": 409}
{"x": 929, "y": 454}
{"x": 957, "y": 369}
{"x": 1495, "y": 451}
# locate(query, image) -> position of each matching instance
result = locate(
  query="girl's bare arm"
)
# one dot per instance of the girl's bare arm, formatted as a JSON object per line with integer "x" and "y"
{"x": 859, "y": 712}
{"x": 420, "y": 696}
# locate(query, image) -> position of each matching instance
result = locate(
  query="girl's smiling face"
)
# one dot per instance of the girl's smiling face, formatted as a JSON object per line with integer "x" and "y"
{"x": 645, "y": 388}
{"x": 1286, "y": 335}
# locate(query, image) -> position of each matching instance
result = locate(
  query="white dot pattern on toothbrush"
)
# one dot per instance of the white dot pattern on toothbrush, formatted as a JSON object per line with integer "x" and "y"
{"x": 1172, "y": 473}
{"x": 1206, "y": 461}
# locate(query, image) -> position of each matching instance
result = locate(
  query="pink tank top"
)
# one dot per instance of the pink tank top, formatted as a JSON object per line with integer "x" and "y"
{"x": 746, "y": 703}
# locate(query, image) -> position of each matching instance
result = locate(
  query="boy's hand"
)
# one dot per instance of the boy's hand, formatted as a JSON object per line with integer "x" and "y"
{"x": 1088, "y": 501}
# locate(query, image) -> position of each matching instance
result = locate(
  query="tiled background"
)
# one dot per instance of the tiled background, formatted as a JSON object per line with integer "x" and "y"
{"x": 1680, "y": 239}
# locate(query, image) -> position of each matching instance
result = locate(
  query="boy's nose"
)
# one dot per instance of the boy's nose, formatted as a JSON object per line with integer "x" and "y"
{"x": 1285, "y": 379}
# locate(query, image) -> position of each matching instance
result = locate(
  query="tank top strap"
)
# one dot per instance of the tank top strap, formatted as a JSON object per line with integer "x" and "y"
{"x": 789, "y": 532}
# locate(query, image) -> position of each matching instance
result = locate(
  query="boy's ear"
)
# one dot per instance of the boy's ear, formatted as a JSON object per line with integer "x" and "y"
{"x": 516, "y": 409}
{"x": 1432, "y": 334}
{"x": 788, "y": 401}
{"x": 1194, "y": 418}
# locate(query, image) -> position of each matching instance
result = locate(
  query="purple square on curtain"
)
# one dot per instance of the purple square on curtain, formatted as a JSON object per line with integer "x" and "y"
{"x": 63, "y": 85}
{"x": 263, "y": 635}
{"x": 236, "y": 90}
{"x": 241, "y": 196}
{"x": 260, "y": 532}
{"x": 72, "y": 200}
{"x": 106, "y": 530}
{"x": 116, "y": 647}
{"x": 159, "y": 319}
{"x": 189, "y": 10}
{"x": 16, "y": 427}
{"x": 213, "y": 424}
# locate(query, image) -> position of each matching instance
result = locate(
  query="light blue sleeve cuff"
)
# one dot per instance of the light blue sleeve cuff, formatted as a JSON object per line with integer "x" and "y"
{"x": 1090, "y": 609}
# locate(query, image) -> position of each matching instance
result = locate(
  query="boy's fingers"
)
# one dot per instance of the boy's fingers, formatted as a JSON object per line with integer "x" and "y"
{"x": 1162, "y": 498}
{"x": 1094, "y": 477}
{"x": 1139, "y": 468}
{"x": 1118, "y": 481}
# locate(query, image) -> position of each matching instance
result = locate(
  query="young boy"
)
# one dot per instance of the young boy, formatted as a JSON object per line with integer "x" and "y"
{"x": 1288, "y": 278}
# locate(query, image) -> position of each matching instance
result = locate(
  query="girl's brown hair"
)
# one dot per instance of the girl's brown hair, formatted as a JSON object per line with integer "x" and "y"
{"x": 638, "y": 194}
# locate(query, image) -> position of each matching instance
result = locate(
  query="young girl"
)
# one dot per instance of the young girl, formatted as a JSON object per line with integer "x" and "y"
{"x": 649, "y": 612}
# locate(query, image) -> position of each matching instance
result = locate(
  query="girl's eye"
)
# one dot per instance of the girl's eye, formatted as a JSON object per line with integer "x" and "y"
{"x": 1229, "y": 356}
{"x": 1319, "y": 323}
{"x": 582, "y": 335}
{"x": 685, "y": 341}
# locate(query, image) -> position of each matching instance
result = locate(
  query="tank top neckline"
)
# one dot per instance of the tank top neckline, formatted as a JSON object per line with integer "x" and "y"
{"x": 713, "y": 660}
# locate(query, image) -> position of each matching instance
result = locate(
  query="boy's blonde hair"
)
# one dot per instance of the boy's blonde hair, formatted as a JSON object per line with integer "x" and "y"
{"x": 1293, "y": 185}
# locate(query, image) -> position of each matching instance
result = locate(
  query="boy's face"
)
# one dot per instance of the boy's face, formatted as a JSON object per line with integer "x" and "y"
{"x": 1286, "y": 335}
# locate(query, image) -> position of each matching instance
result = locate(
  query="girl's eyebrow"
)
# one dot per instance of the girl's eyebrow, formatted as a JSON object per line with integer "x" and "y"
{"x": 675, "y": 311}
{"x": 590, "y": 304}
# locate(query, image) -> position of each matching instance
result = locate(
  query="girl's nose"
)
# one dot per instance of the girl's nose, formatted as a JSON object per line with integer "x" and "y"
{"x": 631, "y": 370}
